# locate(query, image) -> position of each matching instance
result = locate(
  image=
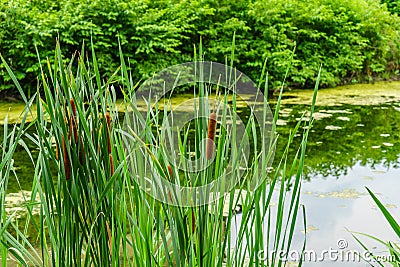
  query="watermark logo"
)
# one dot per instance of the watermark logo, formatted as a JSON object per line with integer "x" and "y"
{"x": 342, "y": 243}
{"x": 171, "y": 169}
{"x": 340, "y": 253}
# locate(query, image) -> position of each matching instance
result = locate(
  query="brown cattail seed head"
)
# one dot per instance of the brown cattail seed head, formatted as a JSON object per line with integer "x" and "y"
{"x": 57, "y": 153}
{"x": 212, "y": 124}
{"x": 73, "y": 128}
{"x": 171, "y": 175}
{"x": 108, "y": 119}
{"x": 193, "y": 222}
{"x": 170, "y": 172}
{"x": 73, "y": 107}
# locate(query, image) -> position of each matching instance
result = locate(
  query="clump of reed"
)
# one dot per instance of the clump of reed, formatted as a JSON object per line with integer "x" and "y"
{"x": 77, "y": 223}
{"x": 93, "y": 211}
{"x": 12, "y": 138}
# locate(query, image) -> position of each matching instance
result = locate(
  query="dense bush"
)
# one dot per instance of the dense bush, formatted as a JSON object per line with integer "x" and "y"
{"x": 353, "y": 39}
{"x": 392, "y": 5}
{"x": 150, "y": 34}
{"x": 350, "y": 38}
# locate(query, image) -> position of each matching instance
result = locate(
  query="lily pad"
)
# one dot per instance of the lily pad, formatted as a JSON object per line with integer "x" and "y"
{"x": 343, "y": 118}
{"x": 387, "y": 144}
{"x": 332, "y": 127}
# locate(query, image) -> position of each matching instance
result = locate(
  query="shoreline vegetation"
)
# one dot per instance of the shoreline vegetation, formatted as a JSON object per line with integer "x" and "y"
{"x": 357, "y": 41}
{"x": 92, "y": 209}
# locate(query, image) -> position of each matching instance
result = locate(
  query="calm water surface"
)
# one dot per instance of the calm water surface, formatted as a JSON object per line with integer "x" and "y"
{"x": 355, "y": 143}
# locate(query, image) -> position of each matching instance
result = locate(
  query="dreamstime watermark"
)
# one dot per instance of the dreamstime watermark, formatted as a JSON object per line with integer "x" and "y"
{"x": 340, "y": 253}
{"x": 151, "y": 156}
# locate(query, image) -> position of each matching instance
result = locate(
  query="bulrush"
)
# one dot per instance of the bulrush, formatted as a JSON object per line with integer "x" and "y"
{"x": 108, "y": 121}
{"x": 212, "y": 124}
{"x": 73, "y": 107}
{"x": 57, "y": 153}
{"x": 193, "y": 221}
{"x": 67, "y": 163}
{"x": 170, "y": 172}
{"x": 73, "y": 138}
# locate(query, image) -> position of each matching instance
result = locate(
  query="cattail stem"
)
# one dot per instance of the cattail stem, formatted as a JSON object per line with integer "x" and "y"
{"x": 111, "y": 165}
{"x": 82, "y": 156}
{"x": 73, "y": 124}
{"x": 67, "y": 163}
{"x": 212, "y": 124}
{"x": 108, "y": 121}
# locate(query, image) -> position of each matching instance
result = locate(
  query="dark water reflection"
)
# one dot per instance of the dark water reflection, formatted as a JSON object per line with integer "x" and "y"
{"x": 348, "y": 135}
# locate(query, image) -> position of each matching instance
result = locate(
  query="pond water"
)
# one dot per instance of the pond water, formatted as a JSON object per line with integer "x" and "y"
{"x": 355, "y": 143}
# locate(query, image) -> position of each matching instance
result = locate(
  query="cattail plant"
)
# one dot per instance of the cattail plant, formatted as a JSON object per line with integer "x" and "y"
{"x": 109, "y": 149}
{"x": 170, "y": 172}
{"x": 112, "y": 168}
{"x": 108, "y": 220}
{"x": 73, "y": 139}
{"x": 57, "y": 152}
{"x": 108, "y": 123}
{"x": 67, "y": 162}
{"x": 73, "y": 123}
{"x": 172, "y": 180}
{"x": 212, "y": 125}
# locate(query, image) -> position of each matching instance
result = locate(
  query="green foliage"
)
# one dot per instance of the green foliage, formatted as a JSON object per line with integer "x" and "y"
{"x": 150, "y": 34}
{"x": 337, "y": 34}
{"x": 392, "y": 5}
{"x": 354, "y": 40}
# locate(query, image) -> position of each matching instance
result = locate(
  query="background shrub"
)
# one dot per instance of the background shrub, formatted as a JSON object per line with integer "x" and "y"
{"x": 392, "y": 5}
{"x": 354, "y": 39}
